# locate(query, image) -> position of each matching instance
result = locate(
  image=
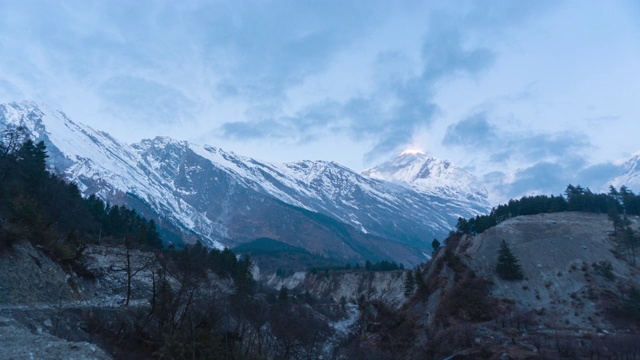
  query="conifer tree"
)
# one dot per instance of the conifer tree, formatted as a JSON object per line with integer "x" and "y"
{"x": 283, "y": 295}
{"x": 421, "y": 287}
{"x": 409, "y": 284}
{"x": 435, "y": 244}
{"x": 508, "y": 267}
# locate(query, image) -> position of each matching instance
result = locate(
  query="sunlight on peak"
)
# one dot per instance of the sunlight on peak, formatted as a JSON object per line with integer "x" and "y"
{"x": 412, "y": 151}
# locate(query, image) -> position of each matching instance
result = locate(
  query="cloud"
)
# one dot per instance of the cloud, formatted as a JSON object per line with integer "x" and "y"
{"x": 254, "y": 130}
{"x": 8, "y": 89}
{"x": 559, "y": 145}
{"x": 254, "y": 51}
{"x": 547, "y": 178}
{"x": 549, "y": 161}
{"x": 261, "y": 49}
{"x": 474, "y": 130}
{"x": 544, "y": 178}
{"x": 307, "y": 124}
{"x": 144, "y": 100}
{"x": 599, "y": 175}
{"x": 445, "y": 55}
{"x": 604, "y": 120}
{"x": 476, "y": 133}
{"x": 390, "y": 115}
{"x": 541, "y": 178}
{"x": 156, "y": 62}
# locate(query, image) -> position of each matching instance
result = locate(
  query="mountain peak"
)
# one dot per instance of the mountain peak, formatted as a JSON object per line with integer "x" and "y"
{"x": 412, "y": 151}
{"x": 160, "y": 141}
{"x": 410, "y": 166}
{"x": 429, "y": 175}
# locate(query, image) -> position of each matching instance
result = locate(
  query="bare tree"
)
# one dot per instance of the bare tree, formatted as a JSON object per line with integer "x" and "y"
{"x": 130, "y": 268}
{"x": 11, "y": 139}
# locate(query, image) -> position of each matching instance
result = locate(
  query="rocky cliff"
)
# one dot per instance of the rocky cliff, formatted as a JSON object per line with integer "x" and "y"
{"x": 346, "y": 286}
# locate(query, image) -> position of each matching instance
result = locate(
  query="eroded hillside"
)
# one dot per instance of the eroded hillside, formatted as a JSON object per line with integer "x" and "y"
{"x": 340, "y": 286}
{"x": 565, "y": 258}
{"x": 575, "y": 301}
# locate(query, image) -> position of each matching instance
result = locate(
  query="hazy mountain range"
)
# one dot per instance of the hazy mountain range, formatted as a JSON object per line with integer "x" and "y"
{"x": 392, "y": 210}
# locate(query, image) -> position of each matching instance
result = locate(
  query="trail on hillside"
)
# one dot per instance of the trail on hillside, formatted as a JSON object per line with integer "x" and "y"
{"x": 109, "y": 302}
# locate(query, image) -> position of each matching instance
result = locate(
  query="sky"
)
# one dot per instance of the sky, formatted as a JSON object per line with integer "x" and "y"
{"x": 529, "y": 96}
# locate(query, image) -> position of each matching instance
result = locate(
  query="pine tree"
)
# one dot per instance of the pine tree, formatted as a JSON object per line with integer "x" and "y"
{"x": 244, "y": 276}
{"x": 409, "y": 284}
{"x": 508, "y": 267}
{"x": 435, "y": 244}
{"x": 283, "y": 295}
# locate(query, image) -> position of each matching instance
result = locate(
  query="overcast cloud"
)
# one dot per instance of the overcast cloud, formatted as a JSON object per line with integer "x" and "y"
{"x": 529, "y": 96}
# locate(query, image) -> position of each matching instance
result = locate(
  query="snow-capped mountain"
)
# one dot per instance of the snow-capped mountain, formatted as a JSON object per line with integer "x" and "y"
{"x": 201, "y": 173}
{"x": 439, "y": 178}
{"x": 101, "y": 165}
{"x": 224, "y": 198}
{"x": 631, "y": 176}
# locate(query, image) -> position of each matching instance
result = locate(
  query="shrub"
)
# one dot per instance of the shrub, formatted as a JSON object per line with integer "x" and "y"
{"x": 604, "y": 268}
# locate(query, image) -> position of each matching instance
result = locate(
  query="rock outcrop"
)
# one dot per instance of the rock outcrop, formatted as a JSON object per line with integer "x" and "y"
{"x": 383, "y": 286}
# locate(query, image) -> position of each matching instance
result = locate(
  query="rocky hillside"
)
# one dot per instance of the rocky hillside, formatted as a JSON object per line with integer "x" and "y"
{"x": 19, "y": 342}
{"x": 572, "y": 266}
{"x": 575, "y": 301}
{"x": 77, "y": 309}
{"x": 42, "y": 302}
{"x": 346, "y": 286}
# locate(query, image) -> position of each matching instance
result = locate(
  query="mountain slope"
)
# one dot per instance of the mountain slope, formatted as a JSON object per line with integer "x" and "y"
{"x": 101, "y": 165}
{"x": 228, "y": 199}
{"x": 372, "y": 206}
{"x": 631, "y": 176}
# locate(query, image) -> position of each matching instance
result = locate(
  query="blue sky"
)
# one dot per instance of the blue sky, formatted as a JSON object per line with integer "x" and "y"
{"x": 527, "y": 95}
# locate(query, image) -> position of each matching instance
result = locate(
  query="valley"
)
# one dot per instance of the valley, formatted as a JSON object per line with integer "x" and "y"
{"x": 319, "y": 180}
{"x": 305, "y": 260}
{"x": 566, "y": 306}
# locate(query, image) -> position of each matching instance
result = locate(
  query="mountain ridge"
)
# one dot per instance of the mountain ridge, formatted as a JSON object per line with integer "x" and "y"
{"x": 223, "y": 197}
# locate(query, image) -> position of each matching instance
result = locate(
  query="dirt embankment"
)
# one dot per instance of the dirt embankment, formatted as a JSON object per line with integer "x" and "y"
{"x": 42, "y": 302}
{"x": 35, "y": 294}
{"x": 28, "y": 276}
{"x": 19, "y": 342}
{"x": 571, "y": 303}
{"x": 563, "y": 258}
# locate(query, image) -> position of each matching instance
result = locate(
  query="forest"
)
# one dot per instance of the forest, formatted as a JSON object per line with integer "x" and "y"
{"x": 617, "y": 204}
